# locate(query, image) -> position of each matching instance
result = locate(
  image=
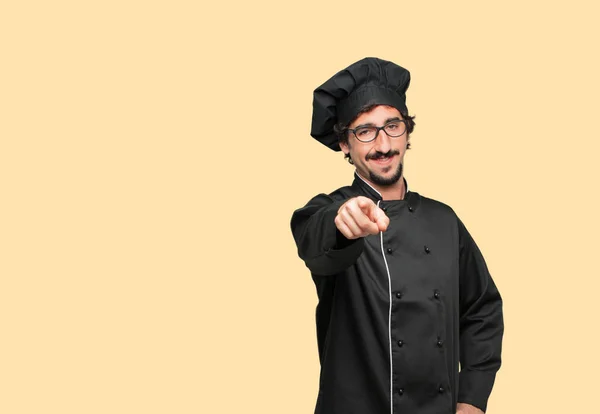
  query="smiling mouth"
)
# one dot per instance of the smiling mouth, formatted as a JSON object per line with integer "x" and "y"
{"x": 382, "y": 160}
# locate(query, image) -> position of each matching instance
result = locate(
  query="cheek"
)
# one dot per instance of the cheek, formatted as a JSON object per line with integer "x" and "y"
{"x": 360, "y": 154}
{"x": 402, "y": 146}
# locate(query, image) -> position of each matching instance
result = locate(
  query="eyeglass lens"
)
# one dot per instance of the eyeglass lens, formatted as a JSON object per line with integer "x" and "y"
{"x": 368, "y": 133}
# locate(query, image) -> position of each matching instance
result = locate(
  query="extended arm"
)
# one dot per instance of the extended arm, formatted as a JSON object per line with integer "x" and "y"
{"x": 324, "y": 249}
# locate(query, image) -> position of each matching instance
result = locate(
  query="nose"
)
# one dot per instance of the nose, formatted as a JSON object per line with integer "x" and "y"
{"x": 382, "y": 142}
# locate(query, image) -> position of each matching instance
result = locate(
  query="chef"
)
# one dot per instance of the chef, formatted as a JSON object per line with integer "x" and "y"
{"x": 404, "y": 292}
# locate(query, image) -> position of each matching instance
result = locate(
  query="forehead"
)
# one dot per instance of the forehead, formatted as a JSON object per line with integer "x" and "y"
{"x": 378, "y": 115}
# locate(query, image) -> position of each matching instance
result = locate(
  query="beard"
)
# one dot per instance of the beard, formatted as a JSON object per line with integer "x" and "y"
{"x": 387, "y": 181}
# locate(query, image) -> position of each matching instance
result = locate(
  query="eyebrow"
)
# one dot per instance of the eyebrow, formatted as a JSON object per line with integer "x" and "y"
{"x": 372, "y": 124}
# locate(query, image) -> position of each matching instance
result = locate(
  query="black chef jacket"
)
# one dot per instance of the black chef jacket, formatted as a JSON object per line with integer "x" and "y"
{"x": 397, "y": 311}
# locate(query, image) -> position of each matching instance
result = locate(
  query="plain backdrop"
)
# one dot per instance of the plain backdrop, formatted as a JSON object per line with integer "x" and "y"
{"x": 152, "y": 154}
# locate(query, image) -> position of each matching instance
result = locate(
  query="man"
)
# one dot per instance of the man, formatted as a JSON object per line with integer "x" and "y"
{"x": 404, "y": 292}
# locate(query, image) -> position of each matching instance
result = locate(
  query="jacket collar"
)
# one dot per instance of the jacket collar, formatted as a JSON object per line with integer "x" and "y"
{"x": 361, "y": 186}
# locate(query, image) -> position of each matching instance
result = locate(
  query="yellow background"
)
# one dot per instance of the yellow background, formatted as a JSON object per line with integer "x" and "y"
{"x": 152, "y": 154}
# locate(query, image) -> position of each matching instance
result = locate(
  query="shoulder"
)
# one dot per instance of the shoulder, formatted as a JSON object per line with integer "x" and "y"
{"x": 443, "y": 214}
{"x": 431, "y": 205}
{"x": 342, "y": 193}
{"x": 439, "y": 214}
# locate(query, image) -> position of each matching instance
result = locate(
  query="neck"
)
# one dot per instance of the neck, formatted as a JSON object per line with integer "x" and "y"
{"x": 396, "y": 191}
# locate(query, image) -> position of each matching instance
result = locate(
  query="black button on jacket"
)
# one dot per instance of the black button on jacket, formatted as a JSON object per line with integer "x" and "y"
{"x": 424, "y": 284}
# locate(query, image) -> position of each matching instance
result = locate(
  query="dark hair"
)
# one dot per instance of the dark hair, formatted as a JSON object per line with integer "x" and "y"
{"x": 341, "y": 130}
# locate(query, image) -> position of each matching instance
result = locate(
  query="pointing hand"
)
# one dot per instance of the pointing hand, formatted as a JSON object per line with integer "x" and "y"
{"x": 359, "y": 217}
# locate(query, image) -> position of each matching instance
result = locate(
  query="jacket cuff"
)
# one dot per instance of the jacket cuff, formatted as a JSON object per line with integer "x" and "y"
{"x": 475, "y": 387}
{"x": 324, "y": 249}
{"x": 341, "y": 255}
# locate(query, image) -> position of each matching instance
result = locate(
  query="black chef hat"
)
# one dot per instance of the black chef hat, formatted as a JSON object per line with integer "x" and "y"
{"x": 368, "y": 81}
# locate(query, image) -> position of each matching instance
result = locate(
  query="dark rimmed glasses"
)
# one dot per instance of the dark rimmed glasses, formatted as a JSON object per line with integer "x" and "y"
{"x": 393, "y": 129}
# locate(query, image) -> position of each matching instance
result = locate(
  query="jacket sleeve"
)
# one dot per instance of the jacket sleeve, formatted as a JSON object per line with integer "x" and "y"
{"x": 481, "y": 324}
{"x": 324, "y": 249}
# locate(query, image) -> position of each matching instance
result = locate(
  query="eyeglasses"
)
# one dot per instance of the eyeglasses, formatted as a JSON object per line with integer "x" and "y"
{"x": 393, "y": 129}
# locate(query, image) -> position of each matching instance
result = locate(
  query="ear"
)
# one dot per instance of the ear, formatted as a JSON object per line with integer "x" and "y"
{"x": 344, "y": 147}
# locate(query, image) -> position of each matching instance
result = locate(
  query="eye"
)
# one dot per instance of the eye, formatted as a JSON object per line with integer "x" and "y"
{"x": 392, "y": 125}
{"x": 362, "y": 132}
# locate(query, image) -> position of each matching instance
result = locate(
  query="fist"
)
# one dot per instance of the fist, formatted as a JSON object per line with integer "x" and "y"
{"x": 359, "y": 217}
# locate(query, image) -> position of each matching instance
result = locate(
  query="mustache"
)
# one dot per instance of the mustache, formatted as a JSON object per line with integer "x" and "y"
{"x": 378, "y": 155}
